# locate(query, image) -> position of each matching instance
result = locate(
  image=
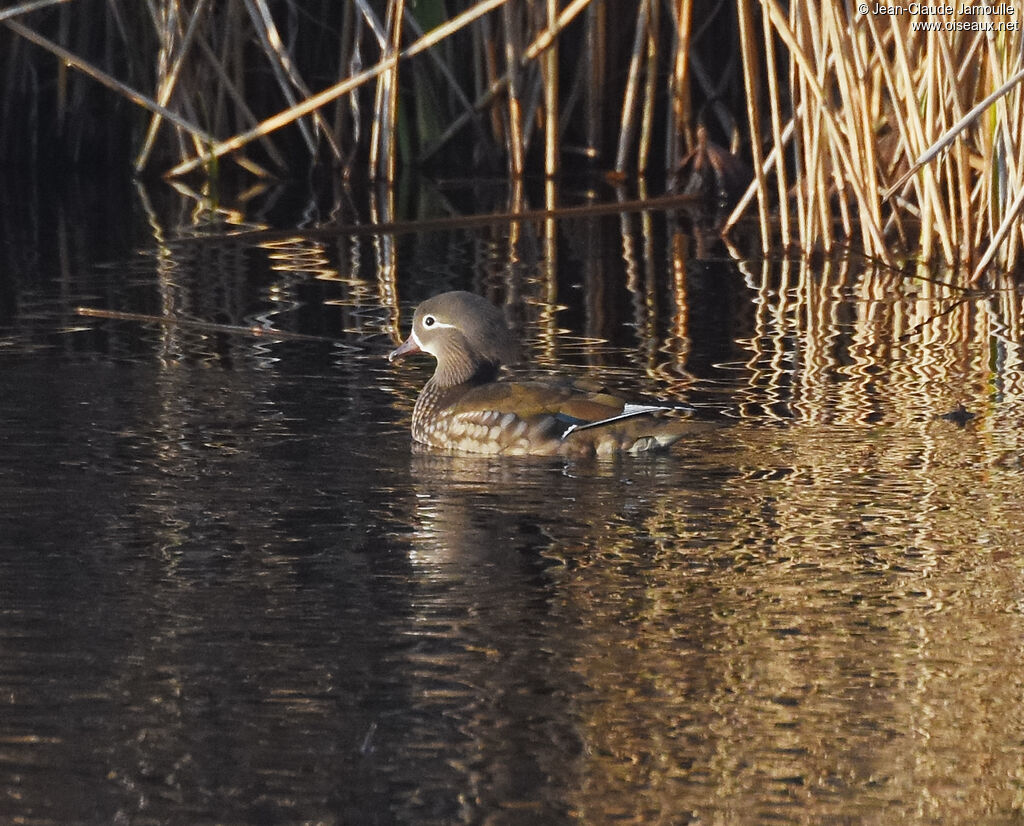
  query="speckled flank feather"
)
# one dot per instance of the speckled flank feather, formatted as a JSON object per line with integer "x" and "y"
{"x": 439, "y": 421}
{"x": 465, "y": 408}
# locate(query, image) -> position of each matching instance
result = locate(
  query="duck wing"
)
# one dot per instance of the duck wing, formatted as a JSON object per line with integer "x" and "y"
{"x": 548, "y": 418}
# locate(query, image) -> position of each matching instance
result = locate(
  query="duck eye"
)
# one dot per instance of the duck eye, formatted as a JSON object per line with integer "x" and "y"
{"x": 429, "y": 321}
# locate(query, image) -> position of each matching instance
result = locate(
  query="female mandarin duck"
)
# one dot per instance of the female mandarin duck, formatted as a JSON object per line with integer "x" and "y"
{"x": 464, "y": 407}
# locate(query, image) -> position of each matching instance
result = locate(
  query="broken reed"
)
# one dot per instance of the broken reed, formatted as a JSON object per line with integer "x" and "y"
{"x": 860, "y": 125}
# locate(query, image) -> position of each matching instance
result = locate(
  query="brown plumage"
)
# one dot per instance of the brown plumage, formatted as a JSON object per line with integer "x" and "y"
{"x": 465, "y": 407}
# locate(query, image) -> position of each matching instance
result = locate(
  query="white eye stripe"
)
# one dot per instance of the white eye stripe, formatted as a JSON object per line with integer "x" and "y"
{"x": 433, "y": 322}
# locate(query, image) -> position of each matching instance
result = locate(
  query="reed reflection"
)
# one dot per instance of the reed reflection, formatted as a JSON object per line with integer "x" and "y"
{"x": 841, "y": 343}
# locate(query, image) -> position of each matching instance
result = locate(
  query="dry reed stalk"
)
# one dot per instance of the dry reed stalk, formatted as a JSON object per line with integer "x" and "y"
{"x": 206, "y": 326}
{"x": 25, "y": 8}
{"x": 959, "y": 157}
{"x": 384, "y": 132}
{"x": 811, "y": 169}
{"x": 849, "y": 66}
{"x": 678, "y": 89}
{"x": 775, "y": 108}
{"x": 549, "y": 67}
{"x": 596, "y": 51}
{"x": 927, "y": 190}
{"x": 751, "y": 64}
{"x": 815, "y": 172}
{"x": 169, "y": 78}
{"x": 797, "y": 96}
{"x": 378, "y": 121}
{"x": 632, "y": 95}
{"x": 650, "y": 88}
{"x": 514, "y": 131}
{"x": 1015, "y": 115}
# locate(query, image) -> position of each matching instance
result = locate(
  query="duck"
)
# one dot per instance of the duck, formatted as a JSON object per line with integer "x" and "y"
{"x": 468, "y": 406}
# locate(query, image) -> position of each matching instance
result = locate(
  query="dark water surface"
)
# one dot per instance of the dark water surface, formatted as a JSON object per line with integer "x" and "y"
{"x": 230, "y": 592}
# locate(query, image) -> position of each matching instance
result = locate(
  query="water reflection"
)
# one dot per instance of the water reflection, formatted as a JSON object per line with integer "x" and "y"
{"x": 232, "y": 593}
{"x": 772, "y": 624}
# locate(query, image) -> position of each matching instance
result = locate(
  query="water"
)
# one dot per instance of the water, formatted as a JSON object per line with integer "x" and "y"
{"x": 230, "y": 591}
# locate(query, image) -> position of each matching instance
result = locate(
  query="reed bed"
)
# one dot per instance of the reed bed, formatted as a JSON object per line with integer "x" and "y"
{"x": 859, "y": 124}
{"x": 373, "y": 85}
{"x": 903, "y": 130}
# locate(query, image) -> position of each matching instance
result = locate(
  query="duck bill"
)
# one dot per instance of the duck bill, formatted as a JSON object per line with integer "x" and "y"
{"x": 406, "y": 348}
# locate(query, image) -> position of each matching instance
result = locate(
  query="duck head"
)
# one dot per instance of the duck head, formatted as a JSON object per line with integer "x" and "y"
{"x": 465, "y": 333}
